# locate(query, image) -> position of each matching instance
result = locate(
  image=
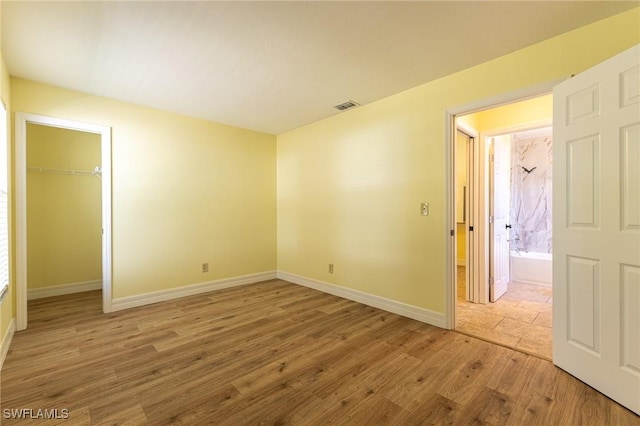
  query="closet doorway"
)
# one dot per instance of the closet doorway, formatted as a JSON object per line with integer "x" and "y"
{"x": 63, "y": 210}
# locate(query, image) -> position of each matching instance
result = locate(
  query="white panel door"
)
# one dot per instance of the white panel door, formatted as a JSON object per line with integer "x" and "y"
{"x": 596, "y": 227}
{"x": 500, "y": 195}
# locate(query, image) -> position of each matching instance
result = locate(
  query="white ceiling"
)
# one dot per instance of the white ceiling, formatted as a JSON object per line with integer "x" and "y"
{"x": 269, "y": 66}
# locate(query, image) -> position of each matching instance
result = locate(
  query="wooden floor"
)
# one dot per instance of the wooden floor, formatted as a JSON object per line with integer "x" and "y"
{"x": 520, "y": 319}
{"x": 276, "y": 353}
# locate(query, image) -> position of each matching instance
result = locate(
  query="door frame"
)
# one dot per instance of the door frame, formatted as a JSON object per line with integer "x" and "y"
{"x": 482, "y": 218}
{"x": 470, "y": 201}
{"x": 21, "y": 121}
{"x": 484, "y": 137}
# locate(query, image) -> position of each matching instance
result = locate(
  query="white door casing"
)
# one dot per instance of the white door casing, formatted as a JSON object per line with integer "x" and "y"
{"x": 500, "y": 163}
{"x": 464, "y": 205}
{"x": 473, "y": 244}
{"x": 596, "y": 227}
{"x": 21, "y": 121}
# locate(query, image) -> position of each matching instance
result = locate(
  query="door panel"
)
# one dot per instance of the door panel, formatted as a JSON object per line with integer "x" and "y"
{"x": 631, "y": 318}
{"x": 501, "y": 194}
{"x": 583, "y": 288}
{"x": 630, "y": 161}
{"x": 596, "y": 222}
{"x": 583, "y": 166}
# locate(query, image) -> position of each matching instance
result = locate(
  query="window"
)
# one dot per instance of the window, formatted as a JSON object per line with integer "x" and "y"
{"x": 4, "y": 204}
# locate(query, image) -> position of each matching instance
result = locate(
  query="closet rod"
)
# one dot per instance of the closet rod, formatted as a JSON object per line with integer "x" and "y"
{"x": 96, "y": 171}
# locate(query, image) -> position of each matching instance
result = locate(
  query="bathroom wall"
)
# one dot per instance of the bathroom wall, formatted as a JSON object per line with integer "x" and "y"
{"x": 531, "y": 168}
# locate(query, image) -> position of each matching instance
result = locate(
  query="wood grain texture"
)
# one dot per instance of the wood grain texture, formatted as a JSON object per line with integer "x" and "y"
{"x": 276, "y": 353}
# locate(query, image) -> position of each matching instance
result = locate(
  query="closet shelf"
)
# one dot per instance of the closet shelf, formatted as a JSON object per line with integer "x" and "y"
{"x": 97, "y": 171}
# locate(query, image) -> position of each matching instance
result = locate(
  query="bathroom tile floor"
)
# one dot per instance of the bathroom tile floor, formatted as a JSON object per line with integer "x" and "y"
{"x": 521, "y": 319}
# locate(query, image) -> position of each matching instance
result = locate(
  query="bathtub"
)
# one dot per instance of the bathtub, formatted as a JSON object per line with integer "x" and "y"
{"x": 532, "y": 268}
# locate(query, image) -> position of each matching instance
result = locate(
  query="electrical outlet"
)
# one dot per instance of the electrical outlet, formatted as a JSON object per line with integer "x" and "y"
{"x": 331, "y": 268}
{"x": 205, "y": 267}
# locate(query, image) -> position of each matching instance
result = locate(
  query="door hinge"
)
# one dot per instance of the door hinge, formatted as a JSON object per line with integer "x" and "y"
{"x": 452, "y": 233}
{"x": 490, "y": 219}
{"x": 471, "y": 228}
{"x": 490, "y": 280}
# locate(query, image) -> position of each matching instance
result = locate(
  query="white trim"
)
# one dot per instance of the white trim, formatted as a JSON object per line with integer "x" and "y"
{"x": 482, "y": 227}
{"x": 389, "y": 305}
{"x": 189, "y": 290}
{"x": 469, "y": 241}
{"x": 105, "y": 169}
{"x": 449, "y": 126}
{"x": 531, "y": 282}
{"x": 21, "y": 204}
{"x": 6, "y": 341}
{"x": 451, "y": 222}
{"x": 20, "y": 218}
{"x": 61, "y": 289}
{"x": 506, "y": 98}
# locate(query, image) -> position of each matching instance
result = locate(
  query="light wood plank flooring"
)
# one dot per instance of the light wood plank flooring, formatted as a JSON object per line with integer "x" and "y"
{"x": 520, "y": 319}
{"x": 276, "y": 353}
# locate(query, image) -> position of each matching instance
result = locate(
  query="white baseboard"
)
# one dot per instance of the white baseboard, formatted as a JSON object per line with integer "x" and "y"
{"x": 189, "y": 290}
{"x": 531, "y": 282}
{"x": 59, "y": 290}
{"x": 389, "y": 305}
{"x": 6, "y": 341}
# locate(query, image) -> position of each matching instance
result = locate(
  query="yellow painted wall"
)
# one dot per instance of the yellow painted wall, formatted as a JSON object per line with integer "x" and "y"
{"x": 531, "y": 111}
{"x": 461, "y": 241}
{"x": 7, "y": 308}
{"x": 350, "y": 186}
{"x": 63, "y": 211}
{"x": 185, "y": 191}
{"x": 467, "y": 121}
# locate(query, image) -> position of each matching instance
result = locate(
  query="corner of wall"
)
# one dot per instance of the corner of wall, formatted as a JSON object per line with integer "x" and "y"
{"x": 403, "y": 309}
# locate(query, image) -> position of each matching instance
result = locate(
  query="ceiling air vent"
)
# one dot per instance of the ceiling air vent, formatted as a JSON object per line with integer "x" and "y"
{"x": 346, "y": 105}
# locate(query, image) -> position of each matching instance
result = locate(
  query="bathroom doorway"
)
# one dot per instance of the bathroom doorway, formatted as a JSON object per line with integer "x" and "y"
{"x": 509, "y": 301}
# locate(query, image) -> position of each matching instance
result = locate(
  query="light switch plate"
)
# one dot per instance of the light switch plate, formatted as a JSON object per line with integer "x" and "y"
{"x": 424, "y": 209}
